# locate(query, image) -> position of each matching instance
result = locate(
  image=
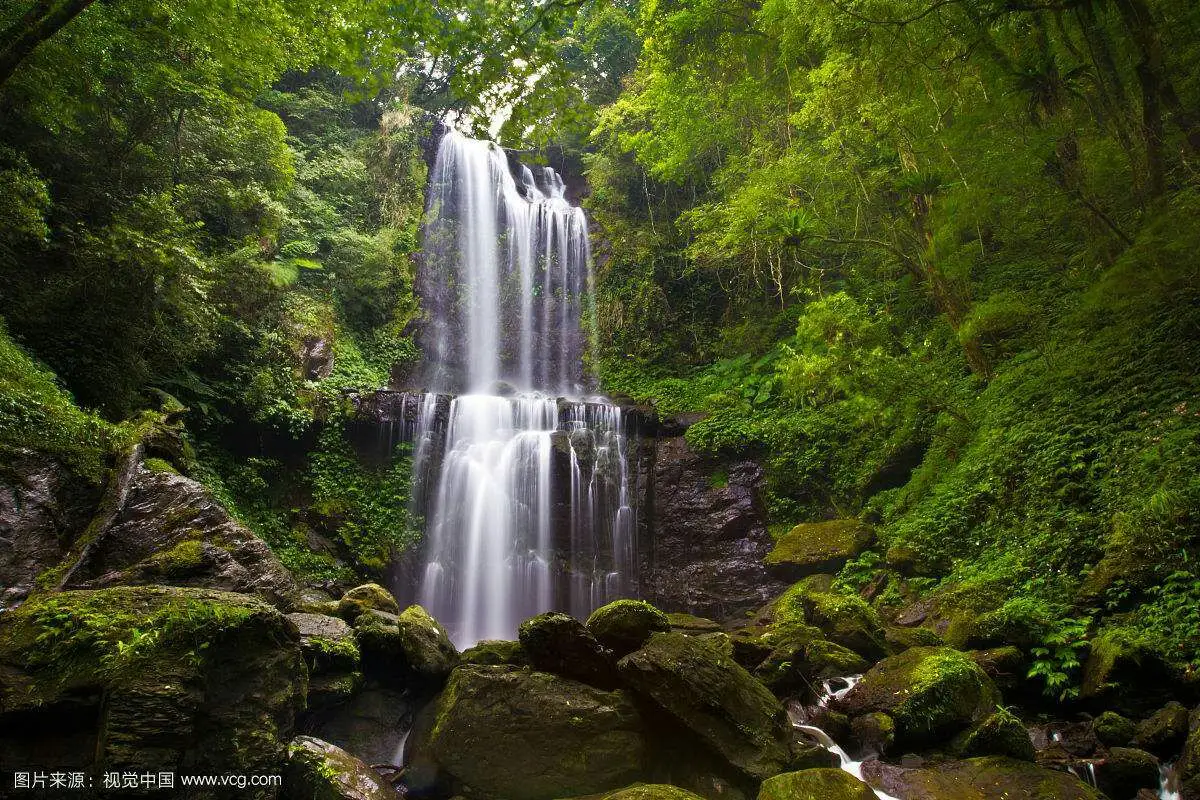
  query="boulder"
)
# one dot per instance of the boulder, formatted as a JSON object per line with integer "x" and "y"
{"x": 1006, "y": 666}
{"x": 1125, "y": 674}
{"x": 494, "y": 652}
{"x": 624, "y": 625}
{"x": 875, "y": 732}
{"x": 149, "y": 678}
{"x": 1125, "y": 770}
{"x": 172, "y": 531}
{"x": 691, "y": 624}
{"x": 651, "y": 791}
{"x": 1189, "y": 762}
{"x": 408, "y": 649}
{"x": 1114, "y": 730}
{"x": 372, "y": 724}
{"x": 364, "y": 598}
{"x": 796, "y": 665}
{"x": 327, "y": 643}
{"x": 716, "y": 699}
{"x": 1001, "y": 734}
{"x": 513, "y": 733}
{"x": 1164, "y": 731}
{"x": 559, "y": 643}
{"x": 318, "y": 770}
{"x": 899, "y": 639}
{"x": 931, "y": 693}
{"x": 988, "y": 778}
{"x": 815, "y": 784}
{"x": 813, "y": 547}
{"x": 843, "y": 618}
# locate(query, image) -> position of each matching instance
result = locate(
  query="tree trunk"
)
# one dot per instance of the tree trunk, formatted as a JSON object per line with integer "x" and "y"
{"x": 39, "y": 23}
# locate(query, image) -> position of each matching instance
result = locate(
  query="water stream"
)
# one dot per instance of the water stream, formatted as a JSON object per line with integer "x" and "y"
{"x": 523, "y": 481}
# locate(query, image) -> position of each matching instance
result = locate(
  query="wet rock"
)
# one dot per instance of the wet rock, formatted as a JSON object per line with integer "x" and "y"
{"x": 149, "y": 678}
{"x": 1004, "y": 665}
{"x": 366, "y": 597}
{"x": 1164, "y": 731}
{"x": 689, "y": 624}
{"x": 813, "y": 547}
{"x": 371, "y": 724}
{"x": 710, "y": 535}
{"x": 327, "y": 642}
{"x": 651, "y": 791}
{"x": 1125, "y": 770}
{"x": 1001, "y": 734}
{"x": 624, "y": 625}
{"x": 316, "y": 358}
{"x": 171, "y": 531}
{"x": 797, "y": 664}
{"x": 494, "y": 652}
{"x": 989, "y": 778}
{"x": 817, "y": 784}
{"x": 713, "y": 697}
{"x": 408, "y": 649}
{"x": 559, "y": 643}
{"x": 931, "y": 693}
{"x": 1114, "y": 730}
{"x": 318, "y": 770}
{"x": 521, "y": 735}
{"x": 876, "y": 732}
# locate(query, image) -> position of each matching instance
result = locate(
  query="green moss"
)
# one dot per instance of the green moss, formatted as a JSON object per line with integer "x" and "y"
{"x": 333, "y": 649}
{"x": 181, "y": 560}
{"x": 820, "y": 544}
{"x": 160, "y": 466}
{"x": 1001, "y": 734}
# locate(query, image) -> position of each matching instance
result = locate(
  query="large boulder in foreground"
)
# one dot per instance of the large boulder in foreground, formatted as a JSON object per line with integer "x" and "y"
{"x": 813, "y": 547}
{"x": 707, "y": 692}
{"x": 624, "y": 625}
{"x": 149, "y": 679}
{"x": 559, "y": 643}
{"x": 318, "y": 770}
{"x": 931, "y": 692}
{"x": 990, "y": 778}
{"x": 513, "y": 733}
{"x": 815, "y": 784}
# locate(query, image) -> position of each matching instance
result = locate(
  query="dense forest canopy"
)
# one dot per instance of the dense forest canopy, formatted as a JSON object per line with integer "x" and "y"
{"x": 931, "y": 262}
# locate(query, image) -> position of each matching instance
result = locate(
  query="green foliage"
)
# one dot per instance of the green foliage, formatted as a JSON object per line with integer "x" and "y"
{"x": 1056, "y": 660}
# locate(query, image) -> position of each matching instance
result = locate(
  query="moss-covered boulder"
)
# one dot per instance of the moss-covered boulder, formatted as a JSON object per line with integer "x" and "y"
{"x": 1001, "y": 734}
{"x": 815, "y": 784}
{"x": 559, "y": 643}
{"x": 1164, "y": 731}
{"x": 931, "y": 693}
{"x": 318, "y": 770}
{"x": 813, "y": 547}
{"x": 707, "y": 692}
{"x": 988, "y": 778}
{"x": 691, "y": 624}
{"x": 1114, "y": 730}
{"x": 327, "y": 642}
{"x": 1006, "y": 666}
{"x": 407, "y": 649}
{"x": 149, "y": 678}
{"x": 899, "y": 639}
{"x": 495, "y": 652}
{"x": 1189, "y": 762}
{"x": 1125, "y": 674}
{"x": 1125, "y": 770}
{"x": 843, "y": 618}
{"x": 651, "y": 791}
{"x": 798, "y": 663}
{"x": 875, "y": 732}
{"x": 513, "y": 733}
{"x": 624, "y": 625}
{"x": 364, "y": 598}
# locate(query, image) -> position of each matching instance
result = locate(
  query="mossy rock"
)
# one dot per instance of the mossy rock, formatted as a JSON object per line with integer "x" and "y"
{"x": 691, "y": 624}
{"x": 327, "y": 643}
{"x": 986, "y": 778}
{"x": 813, "y": 547}
{"x": 1006, "y": 666}
{"x": 167, "y": 677}
{"x": 795, "y": 666}
{"x": 1126, "y": 674}
{"x": 931, "y": 693}
{"x": 1114, "y": 730}
{"x": 318, "y": 770}
{"x": 409, "y": 649}
{"x": 1126, "y": 770}
{"x": 1189, "y": 763}
{"x": 876, "y": 731}
{"x": 496, "y": 652}
{"x": 712, "y": 696}
{"x": 1001, "y": 734}
{"x": 651, "y": 791}
{"x": 559, "y": 643}
{"x": 1164, "y": 731}
{"x": 513, "y": 733}
{"x": 329, "y": 691}
{"x": 366, "y": 597}
{"x": 843, "y": 618}
{"x": 815, "y": 784}
{"x": 624, "y": 625}
{"x": 899, "y": 639}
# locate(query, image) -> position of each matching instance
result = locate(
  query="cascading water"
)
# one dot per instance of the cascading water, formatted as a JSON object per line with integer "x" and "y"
{"x": 525, "y": 493}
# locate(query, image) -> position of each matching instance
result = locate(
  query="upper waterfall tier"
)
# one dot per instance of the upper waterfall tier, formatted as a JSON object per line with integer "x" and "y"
{"x": 507, "y": 268}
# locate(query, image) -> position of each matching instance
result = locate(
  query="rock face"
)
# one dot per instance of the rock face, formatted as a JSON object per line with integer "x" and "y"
{"x": 992, "y": 778}
{"x": 172, "y": 531}
{"x": 559, "y": 643}
{"x": 709, "y": 535}
{"x": 813, "y": 547}
{"x": 148, "y": 679}
{"x": 512, "y": 733}
{"x": 624, "y": 625}
{"x": 817, "y": 784}
{"x": 42, "y": 509}
{"x": 318, "y": 770}
{"x": 930, "y": 692}
{"x": 703, "y": 689}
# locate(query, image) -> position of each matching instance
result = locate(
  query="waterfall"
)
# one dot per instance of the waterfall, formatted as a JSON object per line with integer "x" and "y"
{"x": 524, "y": 484}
